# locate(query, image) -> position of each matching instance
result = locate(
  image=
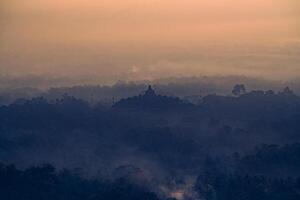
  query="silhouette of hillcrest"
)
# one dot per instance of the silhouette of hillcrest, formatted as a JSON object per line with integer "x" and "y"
{"x": 150, "y": 101}
{"x": 253, "y": 105}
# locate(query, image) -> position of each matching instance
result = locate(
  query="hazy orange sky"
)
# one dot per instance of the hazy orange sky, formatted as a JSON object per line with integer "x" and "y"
{"x": 135, "y": 39}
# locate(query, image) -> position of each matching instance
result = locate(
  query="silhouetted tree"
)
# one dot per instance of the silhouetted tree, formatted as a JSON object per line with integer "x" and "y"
{"x": 239, "y": 89}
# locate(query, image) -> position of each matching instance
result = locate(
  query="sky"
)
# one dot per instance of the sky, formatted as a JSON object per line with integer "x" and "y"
{"x": 135, "y": 39}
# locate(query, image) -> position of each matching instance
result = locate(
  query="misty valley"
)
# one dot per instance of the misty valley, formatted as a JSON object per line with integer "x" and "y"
{"x": 149, "y": 100}
{"x": 140, "y": 142}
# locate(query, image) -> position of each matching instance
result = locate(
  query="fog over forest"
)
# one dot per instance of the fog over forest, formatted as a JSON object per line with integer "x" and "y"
{"x": 176, "y": 139}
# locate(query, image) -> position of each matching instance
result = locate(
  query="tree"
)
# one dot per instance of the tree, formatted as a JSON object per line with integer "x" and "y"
{"x": 239, "y": 89}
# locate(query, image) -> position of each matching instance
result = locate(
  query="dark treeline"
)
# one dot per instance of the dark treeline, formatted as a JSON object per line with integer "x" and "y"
{"x": 241, "y": 146}
{"x": 45, "y": 183}
{"x": 237, "y": 187}
{"x": 269, "y": 172}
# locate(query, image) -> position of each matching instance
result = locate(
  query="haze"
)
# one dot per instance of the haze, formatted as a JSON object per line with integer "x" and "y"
{"x": 133, "y": 40}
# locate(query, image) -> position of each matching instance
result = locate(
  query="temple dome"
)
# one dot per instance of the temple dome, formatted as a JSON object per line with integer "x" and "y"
{"x": 150, "y": 91}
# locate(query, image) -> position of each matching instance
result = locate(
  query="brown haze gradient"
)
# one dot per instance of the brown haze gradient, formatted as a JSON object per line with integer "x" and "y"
{"x": 134, "y": 39}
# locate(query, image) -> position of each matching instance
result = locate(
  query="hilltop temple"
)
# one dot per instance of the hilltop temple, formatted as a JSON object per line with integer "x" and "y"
{"x": 150, "y": 92}
{"x": 150, "y": 101}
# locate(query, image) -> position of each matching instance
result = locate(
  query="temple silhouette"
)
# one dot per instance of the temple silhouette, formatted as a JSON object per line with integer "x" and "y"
{"x": 151, "y": 101}
{"x": 150, "y": 92}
